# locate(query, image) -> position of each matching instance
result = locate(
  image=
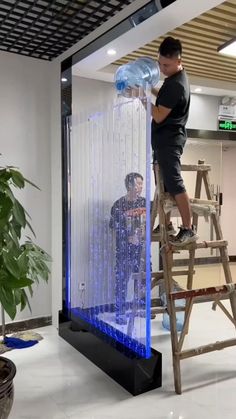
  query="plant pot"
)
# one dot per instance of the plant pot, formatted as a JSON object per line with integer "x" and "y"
{"x": 7, "y": 374}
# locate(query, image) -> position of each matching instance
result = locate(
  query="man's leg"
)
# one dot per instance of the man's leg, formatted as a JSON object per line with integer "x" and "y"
{"x": 169, "y": 160}
{"x": 121, "y": 289}
{"x": 168, "y": 215}
{"x": 183, "y": 204}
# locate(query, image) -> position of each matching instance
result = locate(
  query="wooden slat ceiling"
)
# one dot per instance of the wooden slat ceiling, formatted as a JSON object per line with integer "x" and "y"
{"x": 200, "y": 39}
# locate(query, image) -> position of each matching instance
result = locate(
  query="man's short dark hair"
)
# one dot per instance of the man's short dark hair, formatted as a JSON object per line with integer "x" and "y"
{"x": 130, "y": 179}
{"x": 170, "y": 48}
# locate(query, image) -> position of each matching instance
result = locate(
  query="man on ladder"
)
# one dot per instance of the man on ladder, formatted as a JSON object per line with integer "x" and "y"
{"x": 169, "y": 117}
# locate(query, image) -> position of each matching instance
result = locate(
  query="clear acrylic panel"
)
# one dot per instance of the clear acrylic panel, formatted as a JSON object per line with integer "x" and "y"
{"x": 110, "y": 221}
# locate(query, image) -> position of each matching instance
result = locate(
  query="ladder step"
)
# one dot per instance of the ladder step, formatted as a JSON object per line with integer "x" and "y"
{"x": 203, "y": 201}
{"x": 156, "y": 237}
{"x": 202, "y": 245}
{"x": 195, "y": 167}
{"x": 217, "y": 346}
{"x": 168, "y": 197}
{"x": 160, "y": 274}
{"x": 221, "y": 289}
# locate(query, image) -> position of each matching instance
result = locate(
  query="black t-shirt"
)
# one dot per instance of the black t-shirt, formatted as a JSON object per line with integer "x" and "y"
{"x": 127, "y": 217}
{"x": 174, "y": 94}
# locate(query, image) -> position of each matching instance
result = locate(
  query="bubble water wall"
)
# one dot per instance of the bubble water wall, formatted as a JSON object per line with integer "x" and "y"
{"x": 109, "y": 247}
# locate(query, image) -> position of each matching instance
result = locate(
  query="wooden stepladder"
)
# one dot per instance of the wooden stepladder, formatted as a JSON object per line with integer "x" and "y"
{"x": 191, "y": 296}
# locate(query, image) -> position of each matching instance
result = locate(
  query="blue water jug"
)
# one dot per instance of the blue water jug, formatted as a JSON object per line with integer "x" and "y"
{"x": 137, "y": 74}
{"x": 180, "y": 315}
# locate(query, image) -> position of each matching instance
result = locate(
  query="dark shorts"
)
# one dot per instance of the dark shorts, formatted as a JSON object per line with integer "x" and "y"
{"x": 168, "y": 159}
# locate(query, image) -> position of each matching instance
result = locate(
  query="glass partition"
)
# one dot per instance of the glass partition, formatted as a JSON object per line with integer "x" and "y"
{"x": 109, "y": 246}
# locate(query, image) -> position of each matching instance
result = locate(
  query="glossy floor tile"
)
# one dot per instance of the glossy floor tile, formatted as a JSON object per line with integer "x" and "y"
{"x": 54, "y": 381}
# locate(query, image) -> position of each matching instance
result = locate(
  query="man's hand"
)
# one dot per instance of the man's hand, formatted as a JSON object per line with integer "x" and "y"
{"x": 133, "y": 92}
{"x": 136, "y": 92}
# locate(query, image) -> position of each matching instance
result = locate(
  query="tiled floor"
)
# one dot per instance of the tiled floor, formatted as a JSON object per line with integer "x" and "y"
{"x": 54, "y": 381}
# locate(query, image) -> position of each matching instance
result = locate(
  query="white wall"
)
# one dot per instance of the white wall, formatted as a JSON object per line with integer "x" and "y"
{"x": 203, "y": 112}
{"x": 229, "y": 196}
{"x": 25, "y": 143}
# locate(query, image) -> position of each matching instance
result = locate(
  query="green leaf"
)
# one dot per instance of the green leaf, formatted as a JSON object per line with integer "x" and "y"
{"x": 23, "y": 263}
{"x": 23, "y": 302}
{"x": 11, "y": 264}
{"x": 41, "y": 253}
{"x": 8, "y": 302}
{"x": 13, "y": 234}
{"x": 25, "y": 299}
{"x": 5, "y": 188}
{"x": 28, "y": 215}
{"x": 17, "y": 228}
{"x": 32, "y": 184}
{"x": 5, "y": 206}
{"x": 19, "y": 213}
{"x": 17, "y": 178}
{"x": 39, "y": 267}
{"x": 28, "y": 224}
{"x": 3, "y": 275}
{"x": 5, "y": 175}
{"x": 14, "y": 283}
{"x": 3, "y": 222}
{"x": 31, "y": 291}
{"x": 10, "y": 243}
{"x": 17, "y": 293}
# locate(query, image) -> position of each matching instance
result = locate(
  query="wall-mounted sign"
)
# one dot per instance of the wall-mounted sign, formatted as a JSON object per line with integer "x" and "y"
{"x": 226, "y": 125}
{"x": 227, "y": 111}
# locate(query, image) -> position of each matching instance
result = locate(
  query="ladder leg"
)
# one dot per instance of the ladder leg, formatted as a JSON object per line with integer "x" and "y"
{"x": 167, "y": 263}
{"x": 228, "y": 278}
{"x": 195, "y": 223}
{"x": 223, "y": 250}
{"x": 192, "y": 251}
{"x": 190, "y": 269}
{"x": 155, "y": 199}
{"x": 197, "y": 195}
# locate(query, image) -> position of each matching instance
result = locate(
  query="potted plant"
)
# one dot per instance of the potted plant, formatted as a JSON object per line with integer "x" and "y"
{"x": 22, "y": 264}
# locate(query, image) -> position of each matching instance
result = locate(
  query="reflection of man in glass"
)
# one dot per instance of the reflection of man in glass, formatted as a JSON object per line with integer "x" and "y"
{"x": 128, "y": 216}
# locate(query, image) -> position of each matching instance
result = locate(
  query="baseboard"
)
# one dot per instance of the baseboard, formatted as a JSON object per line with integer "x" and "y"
{"x": 27, "y": 324}
{"x": 202, "y": 261}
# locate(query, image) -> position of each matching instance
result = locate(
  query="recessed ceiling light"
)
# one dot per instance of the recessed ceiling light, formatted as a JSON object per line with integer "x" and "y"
{"x": 229, "y": 48}
{"x": 64, "y": 79}
{"x": 198, "y": 90}
{"x": 111, "y": 51}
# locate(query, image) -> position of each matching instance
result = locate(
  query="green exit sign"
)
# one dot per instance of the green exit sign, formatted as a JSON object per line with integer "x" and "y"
{"x": 227, "y": 125}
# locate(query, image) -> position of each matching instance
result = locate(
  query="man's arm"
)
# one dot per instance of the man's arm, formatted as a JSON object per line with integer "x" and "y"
{"x": 155, "y": 91}
{"x": 160, "y": 113}
{"x": 171, "y": 94}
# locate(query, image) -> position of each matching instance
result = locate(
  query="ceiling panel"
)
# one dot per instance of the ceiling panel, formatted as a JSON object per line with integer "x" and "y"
{"x": 200, "y": 39}
{"x": 45, "y": 29}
